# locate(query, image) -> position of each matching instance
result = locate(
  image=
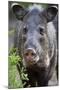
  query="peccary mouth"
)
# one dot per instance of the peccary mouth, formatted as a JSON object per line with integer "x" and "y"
{"x": 31, "y": 61}
{"x": 36, "y": 61}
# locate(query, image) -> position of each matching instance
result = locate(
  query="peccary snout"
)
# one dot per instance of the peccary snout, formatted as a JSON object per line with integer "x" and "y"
{"x": 30, "y": 56}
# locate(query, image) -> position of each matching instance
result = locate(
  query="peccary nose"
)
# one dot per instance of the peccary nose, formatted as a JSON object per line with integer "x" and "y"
{"x": 29, "y": 53}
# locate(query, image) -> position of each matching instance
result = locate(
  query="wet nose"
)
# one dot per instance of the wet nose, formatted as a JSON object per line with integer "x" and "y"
{"x": 30, "y": 53}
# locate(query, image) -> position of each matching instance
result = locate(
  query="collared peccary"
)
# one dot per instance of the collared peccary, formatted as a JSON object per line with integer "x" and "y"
{"x": 37, "y": 42}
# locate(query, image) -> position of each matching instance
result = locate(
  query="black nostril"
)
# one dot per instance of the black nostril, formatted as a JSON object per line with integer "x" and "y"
{"x": 33, "y": 54}
{"x": 26, "y": 54}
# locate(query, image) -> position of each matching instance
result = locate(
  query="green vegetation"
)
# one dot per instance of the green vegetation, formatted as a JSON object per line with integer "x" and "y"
{"x": 11, "y": 31}
{"x": 17, "y": 79}
{"x": 26, "y": 4}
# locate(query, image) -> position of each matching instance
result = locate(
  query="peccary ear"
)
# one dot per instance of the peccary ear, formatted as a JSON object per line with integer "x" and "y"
{"x": 51, "y": 13}
{"x": 18, "y": 10}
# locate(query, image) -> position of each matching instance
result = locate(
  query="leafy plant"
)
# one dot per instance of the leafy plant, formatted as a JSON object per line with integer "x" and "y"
{"x": 17, "y": 79}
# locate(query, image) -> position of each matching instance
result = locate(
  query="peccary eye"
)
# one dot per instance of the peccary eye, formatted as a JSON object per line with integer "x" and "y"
{"x": 41, "y": 30}
{"x": 25, "y": 30}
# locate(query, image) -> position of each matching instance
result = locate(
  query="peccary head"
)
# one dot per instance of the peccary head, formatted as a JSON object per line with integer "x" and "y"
{"x": 34, "y": 40}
